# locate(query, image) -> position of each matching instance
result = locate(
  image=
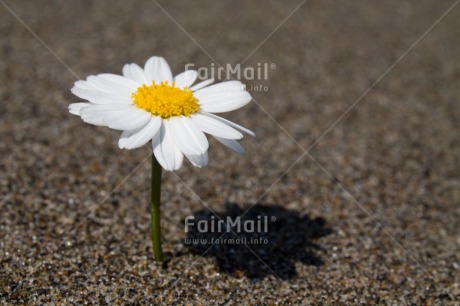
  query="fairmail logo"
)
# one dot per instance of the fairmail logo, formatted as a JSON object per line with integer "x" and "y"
{"x": 238, "y": 225}
{"x": 258, "y": 72}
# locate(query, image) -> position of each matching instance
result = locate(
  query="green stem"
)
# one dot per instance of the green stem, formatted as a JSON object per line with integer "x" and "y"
{"x": 155, "y": 209}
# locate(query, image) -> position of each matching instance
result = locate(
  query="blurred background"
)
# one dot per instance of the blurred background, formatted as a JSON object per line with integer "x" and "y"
{"x": 357, "y": 149}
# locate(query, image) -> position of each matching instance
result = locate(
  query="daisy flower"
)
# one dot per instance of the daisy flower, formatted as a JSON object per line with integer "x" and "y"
{"x": 150, "y": 104}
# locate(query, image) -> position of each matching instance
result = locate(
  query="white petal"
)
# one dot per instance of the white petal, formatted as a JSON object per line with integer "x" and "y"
{"x": 94, "y": 120}
{"x": 97, "y": 113}
{"x": 157, "y": 69}
{"x": 128, "y": 120}
{"x": 104, "y": 108}
{"x": 198, "y": 160}
{"x": 223, "y": 87}
{"x": 120, "y": 81}
{"x": 135, "y": 73}
{"x": 223, "y": 97}
{"x": 126, "y": 71}
{"x": 99, "y": 97}
{"x": 186, "y": 135}
{"x": 232, "y": 124}
{"x": 93, "y": 111}
{"x": 138, "y": 137}
{"x": 84, "y": 85}
{"x": 215, "y": 127}
{"x": 185, "y": 79}
{"x": 118, "y": 117}
{"x": 166, "y": 152}
{"x": 103, "y": 84}
{"x": 232, "y": 144}
{"x": 202, "y": 84}
{"x": 75, "y": 108}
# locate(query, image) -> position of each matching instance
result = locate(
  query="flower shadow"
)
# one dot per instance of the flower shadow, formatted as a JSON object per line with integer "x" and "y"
{"x": 272, "y": 249}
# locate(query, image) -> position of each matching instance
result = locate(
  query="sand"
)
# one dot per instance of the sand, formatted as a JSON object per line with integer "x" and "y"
{"x": 369, "y": 214}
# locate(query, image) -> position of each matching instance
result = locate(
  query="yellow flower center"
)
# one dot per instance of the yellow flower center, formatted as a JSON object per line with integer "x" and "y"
{"x": 166, "y": 101}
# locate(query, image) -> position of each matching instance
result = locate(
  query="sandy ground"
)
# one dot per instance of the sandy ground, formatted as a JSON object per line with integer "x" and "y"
{"x": 367, "y": 207}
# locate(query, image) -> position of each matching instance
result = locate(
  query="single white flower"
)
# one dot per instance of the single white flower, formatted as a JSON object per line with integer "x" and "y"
{"x": 149, "y": 104}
